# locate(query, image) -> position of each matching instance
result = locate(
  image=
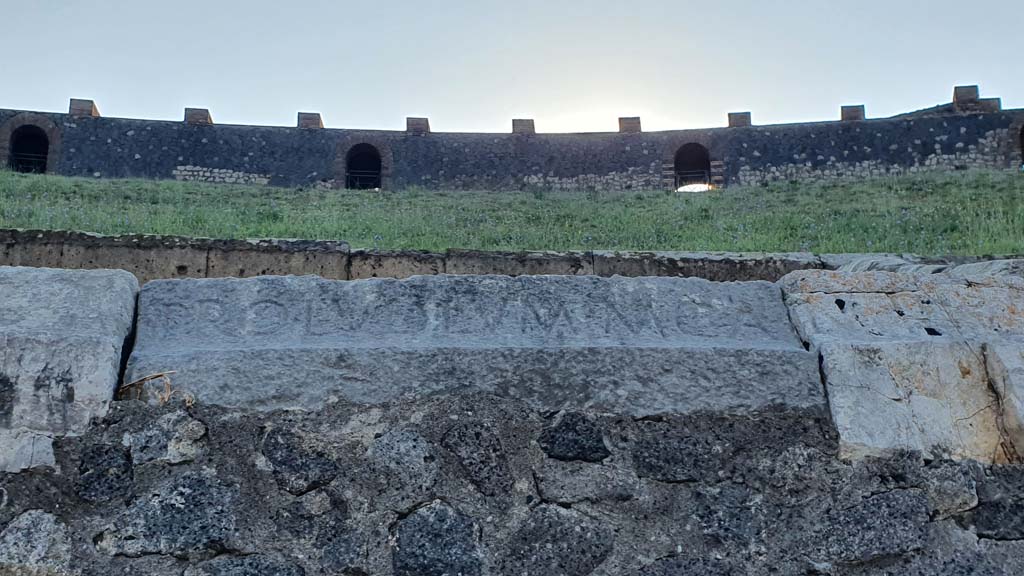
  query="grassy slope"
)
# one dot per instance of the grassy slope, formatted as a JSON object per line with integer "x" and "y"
{"x": 962, "y": 212}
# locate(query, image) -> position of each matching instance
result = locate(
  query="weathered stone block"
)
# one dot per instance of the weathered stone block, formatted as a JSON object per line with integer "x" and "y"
{"x": 518, "y": 263}
{"x": 61, "y": 336}
{"x": 853, "y": 113}
{"x": 244, "y": 259}
{"x": 36, "y": 248}
{"x": 630, "y": 125}
{"x": 417, "y": 125}
{"x": 717, "y": 266}
{"x": 642, "y": 346}
{"x": 923, "y": 396}
{"x": 740, "y": 119}
{"x": 966, "y": 94}
{"x": 393, "y": 264}
{"x": 523, "y": 126}
{"x": 147, "y": 257}
{"x": 886, "y": 306}
{"x": 921, "y": 362}
{"x": 310, "y": 120}
{"x": 81, "y": 108}
{"x": 198, "y": 116}
{"x": 1005, "y": 365}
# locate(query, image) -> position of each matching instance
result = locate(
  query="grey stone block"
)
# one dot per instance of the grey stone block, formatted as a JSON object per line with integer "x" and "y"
{"x": 917, "y": 362}
{"x": 61, "y": 339}
{"x": 643, "y": 346}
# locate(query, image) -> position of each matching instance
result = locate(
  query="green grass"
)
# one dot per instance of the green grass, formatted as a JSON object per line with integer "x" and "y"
{"x": 971, "y": 213}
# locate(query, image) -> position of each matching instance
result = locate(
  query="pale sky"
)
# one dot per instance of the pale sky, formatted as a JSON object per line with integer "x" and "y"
{"x": 473, "y": 65}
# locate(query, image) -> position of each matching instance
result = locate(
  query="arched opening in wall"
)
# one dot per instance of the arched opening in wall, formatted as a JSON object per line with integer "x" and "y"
{"x": 1022, "y": 148}
{"x": 29, "y": 149}
{"x": 692, "y": 165}
{"x": 362, "y": 167}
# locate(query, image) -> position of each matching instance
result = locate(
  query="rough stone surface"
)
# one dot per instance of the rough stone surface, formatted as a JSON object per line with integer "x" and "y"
{"x": 703, "y": 493}
{"x": 436, "y": 540}
{"x": 717, "y": 266}
{"x": 393, "y": 264}
{"x": 556, "y": 541}
{"x": 175, "y": 438}
{"x": 255, "y": 565}
{"x": 188, "y": 517}
{"x": 644, "y": 345}
{"x": 574, "y": 437}
{"x": 921, "y": 362}
{"x": 61, "y": 337}
{"x": 36, "y": 543}
{"x": 518, "y": 263}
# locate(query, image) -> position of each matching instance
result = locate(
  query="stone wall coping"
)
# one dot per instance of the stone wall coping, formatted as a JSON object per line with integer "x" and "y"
{"x": 153, "y": 257}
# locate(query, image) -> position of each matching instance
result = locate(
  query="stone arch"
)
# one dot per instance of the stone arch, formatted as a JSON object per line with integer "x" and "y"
{"x": 29, "y": 149}
{"x": 352, "y": 146}
{"x": 362, "y": 167}
{"x": 32, "y": 126}
{"x": 692, "y": 164}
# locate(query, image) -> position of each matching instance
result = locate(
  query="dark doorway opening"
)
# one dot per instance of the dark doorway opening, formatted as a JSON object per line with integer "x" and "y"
{"x": 29, "y": 150}
{"x": 1022, "y": 148}
{"x": 692, "y": 165}
{"x": 362, "y": 168}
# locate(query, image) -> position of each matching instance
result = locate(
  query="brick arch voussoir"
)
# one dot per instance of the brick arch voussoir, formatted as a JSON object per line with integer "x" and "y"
{"x": 44, "y": 123}
{"x": 668, "y": 155}
{"x": 387, "y": 158}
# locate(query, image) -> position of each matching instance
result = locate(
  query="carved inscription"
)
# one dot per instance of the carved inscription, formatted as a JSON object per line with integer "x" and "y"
{"x": 494, "y": 312}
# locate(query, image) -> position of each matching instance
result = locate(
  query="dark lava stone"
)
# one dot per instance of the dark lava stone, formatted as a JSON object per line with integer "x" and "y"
{"x": 436, "y": 540}
{"x": 574, "y": 437}
{"x": 104, "y": 473}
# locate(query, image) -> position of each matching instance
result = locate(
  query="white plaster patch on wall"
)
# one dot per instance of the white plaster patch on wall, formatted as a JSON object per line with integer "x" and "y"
{"x": 632, "y": 179}
{"x": 222, "y": 175}
{"x": 989, "y": 152}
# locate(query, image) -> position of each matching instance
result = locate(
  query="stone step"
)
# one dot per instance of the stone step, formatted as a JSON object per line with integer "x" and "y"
{"x": 641, "y": 346}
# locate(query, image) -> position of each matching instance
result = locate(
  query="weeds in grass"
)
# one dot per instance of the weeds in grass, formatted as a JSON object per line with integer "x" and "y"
{"x": 970, "y": 212}
{"x": 156, "y": 386}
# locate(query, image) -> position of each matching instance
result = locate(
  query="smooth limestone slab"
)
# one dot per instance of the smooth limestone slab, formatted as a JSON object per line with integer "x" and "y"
{"x": 637, "y": 345}
{"x": 928, "y": 363}
{"x": 61, "y": 339}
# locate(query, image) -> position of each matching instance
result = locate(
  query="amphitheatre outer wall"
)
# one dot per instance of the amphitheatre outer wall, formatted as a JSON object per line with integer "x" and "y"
{"x": 967, "y": 133}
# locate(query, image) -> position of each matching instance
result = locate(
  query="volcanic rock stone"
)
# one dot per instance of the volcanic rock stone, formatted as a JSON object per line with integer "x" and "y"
{"x": 574, "y": 437}
{"x": 436, "y": 540}
{"x": 175, "y": 437}
{"x": 639, "y": 345}
{"x": 246, "y": 566}
{"x": 36, "y": 543}
{"x": 189, "y": 517}
{"x": 61, "y": 335}
{"x": 556, "y": 541}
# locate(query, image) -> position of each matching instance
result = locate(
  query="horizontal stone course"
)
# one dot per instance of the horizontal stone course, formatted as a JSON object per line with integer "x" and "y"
{"x": 639, "y": 345}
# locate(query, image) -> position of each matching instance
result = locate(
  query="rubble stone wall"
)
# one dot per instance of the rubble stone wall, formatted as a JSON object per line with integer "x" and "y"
{"x": 283, "y": 156}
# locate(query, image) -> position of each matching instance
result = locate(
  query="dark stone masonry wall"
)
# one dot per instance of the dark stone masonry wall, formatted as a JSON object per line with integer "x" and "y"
{"x": 481, "y": 485}
{"x": 280, "y": 156}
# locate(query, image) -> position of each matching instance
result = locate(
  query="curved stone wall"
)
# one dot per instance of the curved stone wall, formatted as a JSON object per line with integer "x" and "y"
{"x": 123, "y": 148}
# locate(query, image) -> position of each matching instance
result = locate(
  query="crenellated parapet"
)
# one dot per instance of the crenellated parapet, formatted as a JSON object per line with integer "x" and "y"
{"x": 969, "y": 132}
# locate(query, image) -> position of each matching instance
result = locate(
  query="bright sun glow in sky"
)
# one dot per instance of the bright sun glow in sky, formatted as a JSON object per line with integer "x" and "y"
{"x": 573, "y": 65}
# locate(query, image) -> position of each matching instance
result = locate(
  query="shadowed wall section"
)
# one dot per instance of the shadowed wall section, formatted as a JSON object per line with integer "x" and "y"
{"x": 942, "y": 138}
